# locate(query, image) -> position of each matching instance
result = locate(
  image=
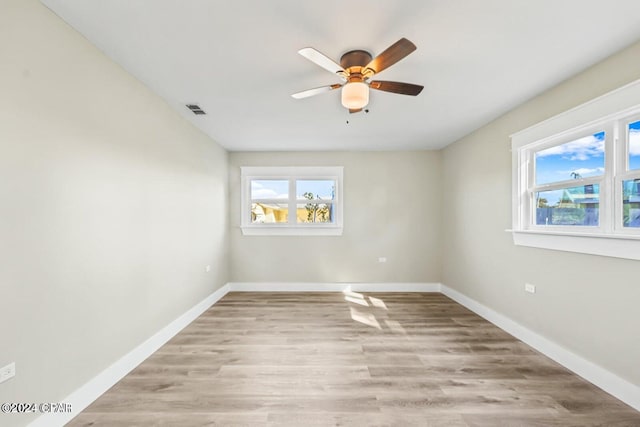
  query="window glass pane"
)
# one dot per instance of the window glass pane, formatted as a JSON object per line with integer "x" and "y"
{"x": 315, "y": 189}
{"x": 269, "y": 189}
{"x": 569, "y": 206}
{"x": 631, "y": 203}
{"x": 634, "y": 145}
{"x": 268, "y": 213}
{"x": 315, "y": 212}
{"x": 581, "y": 158}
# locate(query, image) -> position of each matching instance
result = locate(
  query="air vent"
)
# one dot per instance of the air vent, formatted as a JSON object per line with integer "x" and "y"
{"x": 196, "y": 109}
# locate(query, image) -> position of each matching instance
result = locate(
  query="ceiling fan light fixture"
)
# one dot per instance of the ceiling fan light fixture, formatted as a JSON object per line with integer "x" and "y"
{"x": 356, "y": 69}
{"x": 355, "y": 95}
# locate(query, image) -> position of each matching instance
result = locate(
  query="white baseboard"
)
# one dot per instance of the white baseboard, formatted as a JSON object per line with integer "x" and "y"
{"x": 332, "y": 287}
{"x": 606, "y": 380}
{"x": 85, "y": 395}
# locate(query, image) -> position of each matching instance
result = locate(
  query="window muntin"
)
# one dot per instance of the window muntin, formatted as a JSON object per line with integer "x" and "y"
{"x": 291, "y": 200}
{"x": 580, "y": 158}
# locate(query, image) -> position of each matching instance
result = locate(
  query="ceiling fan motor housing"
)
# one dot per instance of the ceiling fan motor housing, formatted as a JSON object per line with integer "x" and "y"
{"x": 355, "y": 58}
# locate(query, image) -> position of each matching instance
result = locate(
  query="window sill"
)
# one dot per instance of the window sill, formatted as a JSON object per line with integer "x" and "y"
{"x": 291, "y": 231}
{"x": 616, "y": 246}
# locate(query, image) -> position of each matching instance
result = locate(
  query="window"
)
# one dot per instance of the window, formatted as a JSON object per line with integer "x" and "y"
{"x": 630, "y": 177}
{"x": 291, "y": 200}
{"x": 569, "y": 179}
{"x": 576, "y": 178}
{"x": 557, "y": 169}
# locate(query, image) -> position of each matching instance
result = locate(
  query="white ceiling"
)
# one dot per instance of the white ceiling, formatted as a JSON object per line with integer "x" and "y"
{"x": 238, "y": 60}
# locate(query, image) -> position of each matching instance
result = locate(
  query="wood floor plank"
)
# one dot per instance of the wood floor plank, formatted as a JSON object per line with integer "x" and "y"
{"x": 350, "y": 359}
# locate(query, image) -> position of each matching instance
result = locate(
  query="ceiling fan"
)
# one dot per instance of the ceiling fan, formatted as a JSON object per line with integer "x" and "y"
{"x": 356, "y": 69}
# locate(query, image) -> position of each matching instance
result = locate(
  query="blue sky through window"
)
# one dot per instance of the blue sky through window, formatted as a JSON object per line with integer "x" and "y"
{"x": 583, "y": 156}
{"x": 634, "y": 145}
{"x": 262, "y": 189}
{"x": 320, "y": 188}
{"x": 269, "y": 189}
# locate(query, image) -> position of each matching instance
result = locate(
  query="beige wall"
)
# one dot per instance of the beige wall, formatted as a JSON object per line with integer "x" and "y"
{"x": 111, "y": 206}
{"x": 391, "y": 209}
{"x": 588, "y": 304}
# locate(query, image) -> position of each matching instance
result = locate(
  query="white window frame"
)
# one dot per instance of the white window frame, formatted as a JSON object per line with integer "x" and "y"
{"x": 611, "y": 113}
{"x": 624, "y": 174}
{"x": 528, "y": 204}
{"x": 291, "y": 174}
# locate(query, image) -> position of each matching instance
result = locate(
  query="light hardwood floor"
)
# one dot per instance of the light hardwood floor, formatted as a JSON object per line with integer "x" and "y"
{"x": 324, "y": 359}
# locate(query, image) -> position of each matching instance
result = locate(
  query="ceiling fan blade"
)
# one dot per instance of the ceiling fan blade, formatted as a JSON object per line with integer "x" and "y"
{"x": 316, "y": 91}
{"x": 321, "y": 59}
{"x": 354, "y": 110}
{"x": 393, "y": 54}
{"x": 396, "y": 87}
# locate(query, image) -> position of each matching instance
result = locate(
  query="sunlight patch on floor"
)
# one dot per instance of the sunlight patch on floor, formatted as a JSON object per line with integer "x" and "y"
{"x": 395, "y": 326}
{"x": 377, "y": 302}
{"x": 364, "y": 318}
{"x": 357, "y": 301}
{"x": 352, "y": 294}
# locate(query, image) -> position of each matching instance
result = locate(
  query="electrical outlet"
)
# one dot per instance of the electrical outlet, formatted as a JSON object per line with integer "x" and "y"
{"x": 7, "y": 372}
{"x": 530, "y": 288}
{"x": 207, "y": 268}
{"x": 382, "y": 259}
